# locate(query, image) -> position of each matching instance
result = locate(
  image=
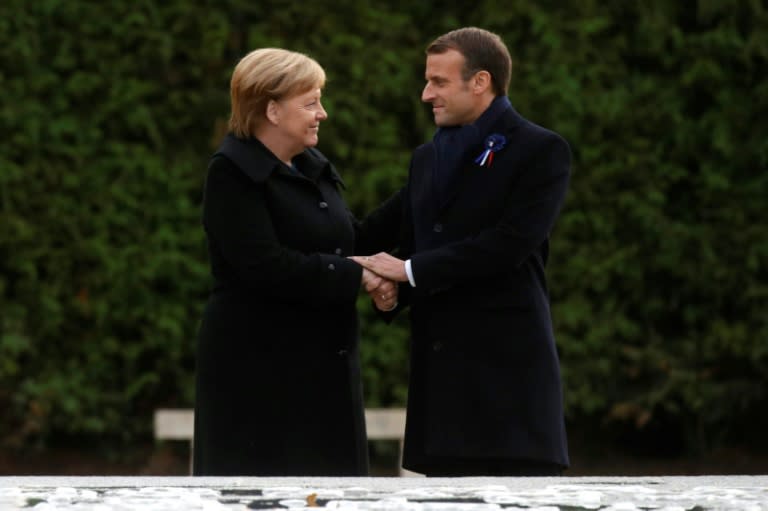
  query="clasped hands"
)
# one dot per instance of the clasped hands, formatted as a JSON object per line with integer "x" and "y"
{"x": 381, "y": 273}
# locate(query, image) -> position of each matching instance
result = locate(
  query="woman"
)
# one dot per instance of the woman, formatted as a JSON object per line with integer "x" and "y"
{"x": 278, "y": 371}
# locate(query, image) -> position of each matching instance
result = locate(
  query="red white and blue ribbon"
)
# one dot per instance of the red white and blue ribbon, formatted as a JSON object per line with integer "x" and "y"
{"x": 493, "y": 143}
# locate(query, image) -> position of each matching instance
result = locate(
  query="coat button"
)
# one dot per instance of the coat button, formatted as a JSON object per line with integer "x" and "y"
{"x": 337, "y": 251}
{"x": 323, "y": 205}
{"x": 438, "y": 228}
{"x": 437, "y": 346}
{"x": 331, "y": 266}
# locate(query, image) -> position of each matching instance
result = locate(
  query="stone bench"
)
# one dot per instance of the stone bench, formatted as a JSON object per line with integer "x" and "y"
{"x": 380, "y": 423}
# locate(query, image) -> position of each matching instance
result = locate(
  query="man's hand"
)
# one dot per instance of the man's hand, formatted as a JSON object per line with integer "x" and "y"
{"x": 383, "y": 291}
{"x": 385, "y": 265}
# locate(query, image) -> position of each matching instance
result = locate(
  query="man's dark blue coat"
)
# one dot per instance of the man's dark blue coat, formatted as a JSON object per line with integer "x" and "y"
{"x": 484, "y": 376}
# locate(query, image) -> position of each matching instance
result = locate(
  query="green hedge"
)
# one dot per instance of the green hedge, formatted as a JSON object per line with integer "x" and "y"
{"x": 658, "y": 271}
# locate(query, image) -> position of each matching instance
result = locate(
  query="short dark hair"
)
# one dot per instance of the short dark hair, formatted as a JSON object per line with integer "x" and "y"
{"x": 482, "y": 51}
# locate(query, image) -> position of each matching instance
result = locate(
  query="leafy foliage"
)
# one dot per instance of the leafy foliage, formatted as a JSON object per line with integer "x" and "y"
{"x": 658, "y": 270}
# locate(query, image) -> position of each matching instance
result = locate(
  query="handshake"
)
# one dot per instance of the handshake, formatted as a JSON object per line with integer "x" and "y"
{"x": 381, "y": 273}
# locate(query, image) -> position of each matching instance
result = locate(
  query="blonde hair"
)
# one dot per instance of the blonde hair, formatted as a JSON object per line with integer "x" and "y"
{"x": 268, "y": 74}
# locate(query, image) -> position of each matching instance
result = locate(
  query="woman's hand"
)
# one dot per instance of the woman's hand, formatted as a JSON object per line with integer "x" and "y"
{"x": 383, "y": 291}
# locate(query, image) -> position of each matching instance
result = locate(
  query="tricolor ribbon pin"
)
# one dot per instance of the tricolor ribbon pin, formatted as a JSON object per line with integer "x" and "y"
{"x": 493, "y": 143}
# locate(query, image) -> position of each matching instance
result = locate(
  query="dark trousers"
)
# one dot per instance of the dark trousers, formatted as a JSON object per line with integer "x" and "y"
{"x": 467, "y": 467}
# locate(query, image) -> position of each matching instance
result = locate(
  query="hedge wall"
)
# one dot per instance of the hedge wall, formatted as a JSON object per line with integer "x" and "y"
{"x": 658, "y": 276}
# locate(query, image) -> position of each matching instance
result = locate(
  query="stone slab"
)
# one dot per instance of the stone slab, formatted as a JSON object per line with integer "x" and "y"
{"x": 700, "y": 493}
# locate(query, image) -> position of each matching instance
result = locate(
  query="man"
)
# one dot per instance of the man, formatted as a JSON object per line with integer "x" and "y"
{"x": 473, "y": 223}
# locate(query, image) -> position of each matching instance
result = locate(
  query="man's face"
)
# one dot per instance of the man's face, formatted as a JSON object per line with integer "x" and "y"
{"x": 453, "y": 103}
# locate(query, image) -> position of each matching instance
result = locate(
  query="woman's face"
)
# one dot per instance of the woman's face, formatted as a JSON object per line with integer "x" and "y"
{"x": 299, "y": 119}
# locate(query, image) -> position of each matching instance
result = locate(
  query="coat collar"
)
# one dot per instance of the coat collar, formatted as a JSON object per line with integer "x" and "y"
{"x": 257, "y": 162}
{"x": 503, "y": 119}
{"x": 313, "y": 164}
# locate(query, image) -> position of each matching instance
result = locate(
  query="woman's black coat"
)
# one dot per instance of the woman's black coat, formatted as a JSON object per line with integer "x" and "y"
{"x": 278, "y": 371}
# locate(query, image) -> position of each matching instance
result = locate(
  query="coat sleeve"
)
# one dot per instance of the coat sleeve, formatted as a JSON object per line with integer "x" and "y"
{"x": 532, "y": 207}
{"x": 239, "y": 225}
{"x": 380, "y": 231}
{"x": 387, "y": 229}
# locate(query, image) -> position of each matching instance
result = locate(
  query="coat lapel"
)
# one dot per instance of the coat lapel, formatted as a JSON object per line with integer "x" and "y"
{"x": 314, "y": 164}
{"x": 456, "y": 184}
{"x": 504, "y": 124}
{"x": 423, "y": 201}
